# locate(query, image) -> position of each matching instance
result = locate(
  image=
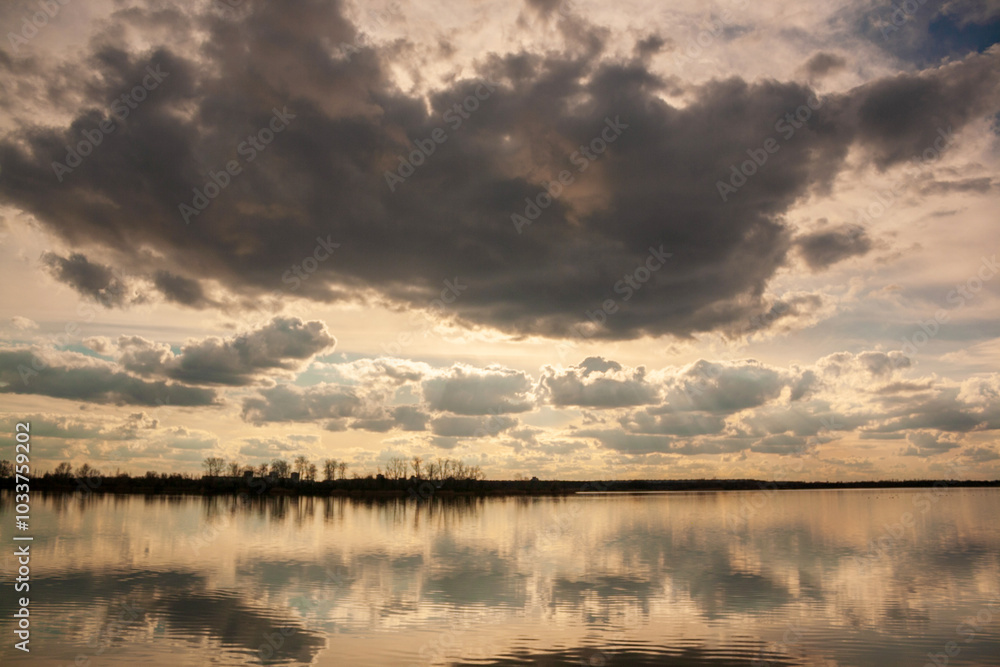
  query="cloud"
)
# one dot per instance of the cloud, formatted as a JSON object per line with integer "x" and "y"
{"x": 822, "y": 63}
{"x": 923, "y": 443}
{"x": 597, "y": 383}
{"x": 100, "y": 344}
{"x": 180, "y": 290}
{"x": 23, "y": 323}
{"x": 823, "y": 248}
{"x": 900, "y": 117}
{"x": 779, "y": 443}
{"x": 724, "y": 387}
{"x": 268, "y": 448}
{"x": 659, "y": 421}
{"x": 140, "y": 356}
{"x": 655, "y": 185}
{"x": 75, "y": 376}
{"x": 288, "y": 403}
{"x": 980, "y": 454}
{"x": 74, "y": 427}
{"x": 282, "y": 344}
{"x": 97, "y": 282}
{"x": 472, "y": 427}
{"x": 465, "y": 390}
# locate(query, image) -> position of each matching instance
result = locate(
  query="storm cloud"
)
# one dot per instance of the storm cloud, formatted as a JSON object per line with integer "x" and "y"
{"x": 644, "y": 172}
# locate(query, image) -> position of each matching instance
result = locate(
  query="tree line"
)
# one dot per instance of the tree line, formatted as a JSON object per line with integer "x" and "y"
{"x": 332, "y": 469}
{"x": 395, "y": 468}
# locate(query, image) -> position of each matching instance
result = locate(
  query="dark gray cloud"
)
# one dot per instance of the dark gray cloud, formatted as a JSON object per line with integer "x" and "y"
{"x": 323, "y": 176}
{"x": 822, "y": 248}
{"x": 909, "y": 116}
{"x": 282, "y": 344}
{"x": 179, "y": 289}
{"x": 93, "y": 280}
{"x": 81, "y": 378}
{"x": 823, "y": 63}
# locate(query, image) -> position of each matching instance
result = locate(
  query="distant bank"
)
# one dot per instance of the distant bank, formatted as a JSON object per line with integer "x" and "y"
{"x": 422, "y": 489}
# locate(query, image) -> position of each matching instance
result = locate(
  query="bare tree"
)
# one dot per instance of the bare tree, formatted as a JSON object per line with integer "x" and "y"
{"x": 280, "y": 467}
{"x": 342, "y": 469}
{"x": 261, "y": 470}
{"x": 301, "y": 465}
{"x": 6, "y": 468}
{"x": 416, "y": 463}
{"x": 234, "y": 468}
{"x": 330, "y": 469}
{"x": 213, "y": 466}
{"x": 395, "y": 468}
{"x": 311, "y": 472}
{"x": 64, "y": 469}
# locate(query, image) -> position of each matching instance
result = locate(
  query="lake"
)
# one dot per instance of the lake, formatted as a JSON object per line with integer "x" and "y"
{"x": 832, "y": 577}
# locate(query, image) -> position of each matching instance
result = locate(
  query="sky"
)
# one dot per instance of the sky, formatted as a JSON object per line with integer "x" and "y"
{"x": 570, "y": 240}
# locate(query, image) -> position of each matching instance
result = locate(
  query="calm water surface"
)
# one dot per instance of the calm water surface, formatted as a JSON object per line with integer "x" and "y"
{"x": 792, "y": 578}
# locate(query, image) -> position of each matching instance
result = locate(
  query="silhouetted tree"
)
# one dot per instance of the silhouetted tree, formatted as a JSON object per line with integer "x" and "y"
{"x": 301, "y": 465}
{"x": 395, "y": 468}
{"x": 330, "y": 469}
{"x": 64, "y": 469}
{"x": 281, "y": 467}
{"x": 213, "y": 466}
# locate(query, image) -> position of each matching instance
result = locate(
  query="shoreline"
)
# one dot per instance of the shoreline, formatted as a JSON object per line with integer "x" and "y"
{"x": 417, "y": 489}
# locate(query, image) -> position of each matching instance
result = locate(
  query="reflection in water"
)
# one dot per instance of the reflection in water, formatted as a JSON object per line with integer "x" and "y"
{"x": 844, "y": 577}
